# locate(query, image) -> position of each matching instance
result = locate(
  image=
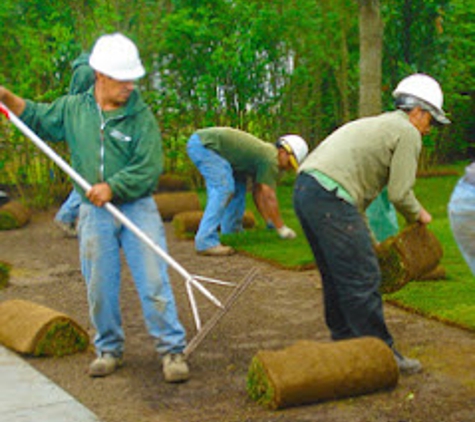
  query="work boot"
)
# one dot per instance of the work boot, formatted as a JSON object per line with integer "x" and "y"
{"x": 104, "y": 365}
{"x": 407, "y": 366}
{"x": 175, "y": 368}
{"x": 219, "y": 250}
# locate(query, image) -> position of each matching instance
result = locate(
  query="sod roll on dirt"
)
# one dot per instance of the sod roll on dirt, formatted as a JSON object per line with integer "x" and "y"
{"x": 171, "y": 203}
{"x": 415, "y": 251}
{"x": 13, "y": 215}
{"x": 33, "y": 329}
{"x": 309, "y": 372}
{"x": 186, "y": 223}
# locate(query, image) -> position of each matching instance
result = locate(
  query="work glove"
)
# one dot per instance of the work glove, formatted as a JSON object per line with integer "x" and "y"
{"x": 286, "y": 233}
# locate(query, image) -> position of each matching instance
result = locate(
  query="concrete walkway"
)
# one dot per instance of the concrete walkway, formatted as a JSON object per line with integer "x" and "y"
{"x": 28, "y": 396}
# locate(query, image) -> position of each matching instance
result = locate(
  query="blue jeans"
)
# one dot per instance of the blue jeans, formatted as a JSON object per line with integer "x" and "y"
{"x": 462, "y": 220}
{"x": 101, "y": 237}
{"x": 341, "y": 244}
{"x": 69, "y": 211}
{"x": 226, "y": 200}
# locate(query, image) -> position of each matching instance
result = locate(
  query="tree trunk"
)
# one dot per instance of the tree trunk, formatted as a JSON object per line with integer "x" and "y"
{"x": 371, "y": 38}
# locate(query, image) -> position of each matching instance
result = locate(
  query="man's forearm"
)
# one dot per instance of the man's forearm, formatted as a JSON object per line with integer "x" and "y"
{"x": 267, "y": 205}
{"x": 13, "y": 102}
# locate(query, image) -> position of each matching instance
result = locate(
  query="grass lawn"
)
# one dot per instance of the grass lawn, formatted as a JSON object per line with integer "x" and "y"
{"x": 451, "y": 300}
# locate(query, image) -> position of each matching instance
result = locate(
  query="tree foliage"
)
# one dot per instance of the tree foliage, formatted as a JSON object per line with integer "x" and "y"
{"x": 269, "y": 67}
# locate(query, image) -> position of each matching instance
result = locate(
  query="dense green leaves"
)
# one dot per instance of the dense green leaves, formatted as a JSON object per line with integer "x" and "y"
{"x": 268, "y": 67}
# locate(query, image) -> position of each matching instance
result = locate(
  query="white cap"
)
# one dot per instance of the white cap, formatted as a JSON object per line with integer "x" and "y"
{"x": 296, "y": 146}
{"x": 426, "y": 89}
{"x": 116, "y": 56}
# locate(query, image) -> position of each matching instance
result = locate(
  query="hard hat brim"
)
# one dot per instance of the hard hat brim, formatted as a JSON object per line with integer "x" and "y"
{"x": 440, "y": 117}
{"x": 129, "y": 75}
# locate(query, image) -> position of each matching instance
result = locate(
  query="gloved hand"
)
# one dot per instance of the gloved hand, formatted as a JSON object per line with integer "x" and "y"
{"x": 286, "y": 233}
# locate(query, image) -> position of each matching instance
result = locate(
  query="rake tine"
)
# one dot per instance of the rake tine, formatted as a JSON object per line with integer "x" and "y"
{"x": 200, "y": 336}
{"x": 194, "y": 307}
{"x": 213, "y": 280}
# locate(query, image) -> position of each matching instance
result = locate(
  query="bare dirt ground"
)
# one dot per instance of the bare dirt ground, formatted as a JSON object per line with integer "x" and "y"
{"x": 279, "y": 308}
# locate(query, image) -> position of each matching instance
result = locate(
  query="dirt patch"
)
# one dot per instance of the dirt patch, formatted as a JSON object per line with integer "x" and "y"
{"x": 279, "y": 308}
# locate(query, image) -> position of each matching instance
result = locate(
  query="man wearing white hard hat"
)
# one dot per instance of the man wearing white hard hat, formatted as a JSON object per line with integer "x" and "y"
{"x": 226, "y": 157}
{"x": 335, "y": 185}
{"x": 116, "y": 146}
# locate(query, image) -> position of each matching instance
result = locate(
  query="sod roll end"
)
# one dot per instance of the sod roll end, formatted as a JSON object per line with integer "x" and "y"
{"x": 13, "y": 215}
{"x": 309, "y": 372}
{"x": 415, "y": 251}
{"x": 33, "y": 329}
{"x": 5, "y": 268}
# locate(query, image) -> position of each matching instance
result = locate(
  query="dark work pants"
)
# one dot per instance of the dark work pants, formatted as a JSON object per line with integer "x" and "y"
{"x": 343, "y": 250}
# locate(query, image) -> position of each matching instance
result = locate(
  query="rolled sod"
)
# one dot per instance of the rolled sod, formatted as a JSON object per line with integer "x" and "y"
{"x": 186, "y": 223}
{"x": 33, "y": 329}
{"x": 438, "y": 273}
{"x": 13, "y": 215}
{"x": 415, "y": 251}
{"x": 171, "y": 203}
{"x": 169, "y": 182}
{"x": 309, "y": 372}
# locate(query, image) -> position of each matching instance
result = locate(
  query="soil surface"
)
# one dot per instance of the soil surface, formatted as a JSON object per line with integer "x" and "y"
{"x": 279, "y": 308}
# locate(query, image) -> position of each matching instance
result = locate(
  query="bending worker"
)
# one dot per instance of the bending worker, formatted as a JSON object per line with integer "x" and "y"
{"x": 225, "y": 157}
{"x": 82, "y": 79}
{"x": 336, "y": 183}
{"x": 116, "y": 146}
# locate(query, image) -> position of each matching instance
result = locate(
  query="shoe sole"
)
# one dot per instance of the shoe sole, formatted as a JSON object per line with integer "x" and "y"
{"x": 99, "y": 374}
{"x": 177, "y": 378}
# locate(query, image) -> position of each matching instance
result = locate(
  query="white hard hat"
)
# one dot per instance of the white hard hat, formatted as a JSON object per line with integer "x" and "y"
{"x": 425, "y": 89}
{"x": 295, "y": 146}
{"x": 116, "y": 56}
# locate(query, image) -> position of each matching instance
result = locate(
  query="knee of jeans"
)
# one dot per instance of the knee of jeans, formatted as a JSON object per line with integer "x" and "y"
{"x": 227, "y": 188}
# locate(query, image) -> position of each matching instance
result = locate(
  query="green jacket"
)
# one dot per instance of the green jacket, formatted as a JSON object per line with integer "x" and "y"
{"x": 248, "y": 155}
{"x": 83, "y": 75}
{"x": 122, "y": 147}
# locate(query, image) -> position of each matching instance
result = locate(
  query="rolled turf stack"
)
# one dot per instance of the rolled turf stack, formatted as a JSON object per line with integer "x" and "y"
{"x": 13, "y": 215}
{"x": 172, "y": 203}
{"x": 5, "y": 268}
{"x": 169, "y": 182}
{"x": 310, "y": 372}
{"x": 415, "y": 251}
{"x": 33, "y": 329}
{"x": 186, "y": 223}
